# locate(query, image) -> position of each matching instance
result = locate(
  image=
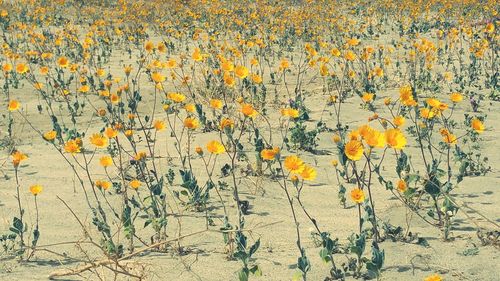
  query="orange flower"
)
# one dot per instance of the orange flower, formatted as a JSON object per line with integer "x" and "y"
{"x": 215, "y": 147}
{"x": 357, "y": 195}
{"x": 191, "y": 123}
{"x": 402, "y": 186}
{"x": 226, "y": 122}
{"x": 18, "y": 157}
{"x": 399, "y": 121}
{"x": 14, "y": 105}
{"x": 103, "y": 184}
{"x": 433, "y": 277}
{"x": 354, "y": 150}
{"x": 159, "y": 125}
{"x": 456, "y": 97}
{"x": 22, "y": 68}
{"x": 135, "y": 184}
{"x": 248, "y": 110}
{"x": 294, "y": 164}
{"x": 63, "y": 62}
{"x": 477, "y": 125}
{"x": 149, "y": 46}
{"x": 269, "y": 154}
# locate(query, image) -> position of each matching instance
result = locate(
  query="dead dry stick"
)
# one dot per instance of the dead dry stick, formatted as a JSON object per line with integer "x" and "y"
{"x": 105, "y": 262}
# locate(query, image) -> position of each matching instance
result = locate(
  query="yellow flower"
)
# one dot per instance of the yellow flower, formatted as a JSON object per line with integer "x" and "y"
{"x": 22, "y": 68}
{"x": 99, "y": 140}
{"x": 135, "y": 184}
{"x": 284, "y": 64}
{"x": 402, "y": 186}
{"x": 161, "y": 47}
{"x": 336, "y": 138}
{"x": 456, "y": 97}
{"x": 395, "y": 138}
{"x": 406, "y": 96}
{"x": 72, "y": 146}
{"x": 477, "y": 125}
{"x": 191, "y": 123}
{"x": 103, "y": 184}
{"x": 190, "y": 108}
{"x": 159, "y": 125}
{"x": 294, "y": 164}
{"x": 269, "y": 154}
{"x": 449, "y": 138}
{"x": 229, "y": 80}
{"x": 350, "y": 56}
{"x": 14, "y": 105}
{"x": 114, "y": 98}
{"x": 357, "y": 195}
{"x": 490, "y": 28}
{"x": 241, "y": 71}
{"x": 375, "y": 138}
{"x": 50, "y": 135}
{"x": 226, "y": 122}
{"x": 335, "y": 163}
{"x": 335, "y": 52}
{"x": 308, "y": 173}
{"x": 7, "y": 67}
{"x": 354, "y": 150}
{"x": 63, "y": 62}
{"x": 433, "y": 277}
{"x": 433, "y": 102}
{"x": 399, "y": 121}
{"x": 290, "y": 112}
{"x": 427, "y": 113}
{"x": 84, "y": 89}
{"x": 106, "y": 161}
{"x": 215, "y": 147}
{"x": 140, "y": 155}
{"x": 227, "y": 66}
{"x": 368, "y": 97}
{"x": 248, "y": 110}
{"x": 158, "y": 77}
{"x": 36, "y": 189}
{"x": 149, "y": 46}
{"x": 18, "y": 157}
{"x": 176, "y": 97}
{"x": 216, "y": 103}
{"x": 197, "y": 56}
{"x": 256, "y": 78}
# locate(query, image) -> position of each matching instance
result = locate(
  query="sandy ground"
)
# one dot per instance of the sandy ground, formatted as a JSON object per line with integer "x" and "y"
{"x": 206, "y": 258}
